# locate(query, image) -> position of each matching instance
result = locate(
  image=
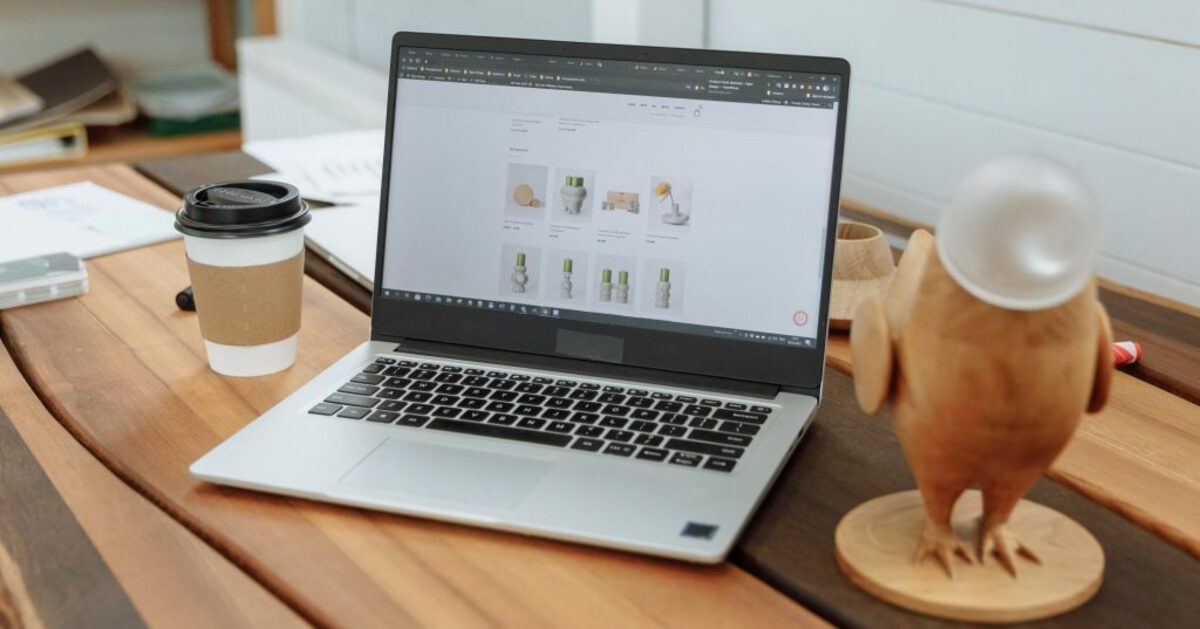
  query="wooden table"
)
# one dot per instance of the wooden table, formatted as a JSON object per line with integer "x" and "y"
{"x": 105, "y": 400}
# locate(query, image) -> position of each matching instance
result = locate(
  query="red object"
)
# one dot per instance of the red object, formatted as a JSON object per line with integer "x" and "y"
{"x": 1126, "y": 352}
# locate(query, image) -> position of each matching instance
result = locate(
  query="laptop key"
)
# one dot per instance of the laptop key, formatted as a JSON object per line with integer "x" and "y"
{"x": 383, "y": 417}
{"x": 563, "y": 427}
{"x": 652, "y": 454}
{"x": 415, "y": 421}
{"x": 474, "y": 381}
{"x": 702, "y": 422}
{"x": 672, "y": 431}
{"x": 589, "y": 431}
{"x": 670, "y": 407}
{"x": 613, "y": 409}
{"x": 474, "y": 372}
{"x": 618, "y": 435}
{"x": 503, "y": 396}
{"x": 640, "y": 402}
{"x": 686, "y": 459}
{"x": 739, "y": 427}
{"x": 583, "y": 394}
{"x": 432, "y": 366}
{"x": 611, "y": 398}
{"x": 719, "y": 464}
{"x": 422, "y": 385}
{"x": 648, "y": 440}
{"x": 590, "y": 445}
{"x": 444, "y": 400}
{"x": 475, "y": 416}
{"x": 643, "y": 426}
{"x": 585, "y": 418}
{"x": 619, "y": 449}
{"x": 565, "y": 383}
{"x": 391, "y": 405}
{"x": 406, "y": 363}
{"x": 761, "y": 409}
{"x": 588, "y": 407}
{"x": 502, "y": 407}
{"x": 638, "y": 392}
{"x": 418, "y": 396}
{"x": 719, "y": 437}
{"x": 373, "y": 368}
{"x": 354, "y": 412}
{"x": 659, "y": 395}
{"x": 529, "y": 387}
{"x": 613, "y": 422}
{"x": 531, "y": 422}
{"x": 385, "y": 361}
{"x": 675, "y": 419}
{"x": 472, "y": 402}
{"x": 504, "y": 419}
{"x": 556, "y": 413}
{"x": 398, "y": 382}
{"x": 526, "y": 409}
{"x": 686, "y": 399}
{"x": 500, "y": 432}
{"x": 710, "y": 402}
{"x": 366, "y": 378}
{"x": 742, "y": 416}
{"x": 390, "y": 394}
{"x": 542, "y": 380}
{"x": 421, "y": 374}
{"x": 448, "y": 377}
{"x": 358, "y": 389}
{"x": 735, "y": 406}
{"x": 698, "y": 410}
{"x": 530, "y": 398}
{"x": 450, "y": 389}
{"x": 451, "y": 369}
{"x": 519, "y": 377}
{"x": 555, "y": 391}
{"x": 559, "y": 402}
{"x": 447, "y": 411}
{"x": 418, "y": 409}
{"x": 501, "y": 384}
{"x": 325, "y": 408}
{"x": 478, "y": 392}
{"x": 589, "y": 386}
{"x": 700, "y": 447}
{"x": 643, "y": 413}
{"x": 347, "y": 399}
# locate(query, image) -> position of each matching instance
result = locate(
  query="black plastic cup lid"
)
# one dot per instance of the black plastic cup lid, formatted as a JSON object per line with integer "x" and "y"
{"x": 241, "y": 209}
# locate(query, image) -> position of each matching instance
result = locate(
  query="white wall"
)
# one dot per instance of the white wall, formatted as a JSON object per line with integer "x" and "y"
{"x": 1111, "y": 87}
{"x": 135, "y": 36}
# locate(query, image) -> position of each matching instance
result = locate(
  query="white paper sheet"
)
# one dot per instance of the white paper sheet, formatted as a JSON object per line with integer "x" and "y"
{"x": 346, "y": 236}
{"x": 340, "y": 168}
{"x": 83, "y": 218}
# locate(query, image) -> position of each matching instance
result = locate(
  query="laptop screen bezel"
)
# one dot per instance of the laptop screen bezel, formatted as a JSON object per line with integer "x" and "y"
{"x": 785, "y": 366}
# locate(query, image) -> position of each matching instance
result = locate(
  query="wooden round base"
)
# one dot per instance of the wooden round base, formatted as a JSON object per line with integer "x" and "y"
{"x": 876, "y": 543}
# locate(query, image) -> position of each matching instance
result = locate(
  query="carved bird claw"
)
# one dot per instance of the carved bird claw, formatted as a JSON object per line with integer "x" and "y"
{"x": 1000, "y": 542}
{"x": 943, "y": 545}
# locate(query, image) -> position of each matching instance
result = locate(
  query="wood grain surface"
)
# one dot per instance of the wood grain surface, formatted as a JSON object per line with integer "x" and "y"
{"x": 50, "y": 574}
{"x": 80, "y": 531}
{"x": 848, "y": 458}
{"x": 133, "y": 386}
{"x": 1137, "y": 456}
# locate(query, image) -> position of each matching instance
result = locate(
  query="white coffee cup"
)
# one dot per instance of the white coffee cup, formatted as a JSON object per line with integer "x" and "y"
{"x": 245, "y": 250}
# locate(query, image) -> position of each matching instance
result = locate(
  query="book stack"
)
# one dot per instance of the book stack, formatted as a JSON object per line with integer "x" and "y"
{"x": 44, "y": 112}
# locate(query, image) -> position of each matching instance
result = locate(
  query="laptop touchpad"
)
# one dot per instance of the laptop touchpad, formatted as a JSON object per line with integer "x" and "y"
{"x": 458, "y": 474}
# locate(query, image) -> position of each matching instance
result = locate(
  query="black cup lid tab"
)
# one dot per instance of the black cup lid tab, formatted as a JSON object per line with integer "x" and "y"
{"x": 241, "y": 209}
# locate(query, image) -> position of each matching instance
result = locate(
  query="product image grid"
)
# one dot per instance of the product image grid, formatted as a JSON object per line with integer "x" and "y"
{"x": 519, "y": 271}
{"x": 574, "y": 192}
{"x": 525, "y": 192}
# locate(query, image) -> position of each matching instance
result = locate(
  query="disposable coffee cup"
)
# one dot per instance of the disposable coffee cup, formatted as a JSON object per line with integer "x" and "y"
{"x": 245, "y": 254}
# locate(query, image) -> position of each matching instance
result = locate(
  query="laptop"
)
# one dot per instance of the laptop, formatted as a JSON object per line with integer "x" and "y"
{"x": 601, "y": 289}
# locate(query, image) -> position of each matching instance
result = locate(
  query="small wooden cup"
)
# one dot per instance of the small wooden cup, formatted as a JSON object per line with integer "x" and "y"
{"x": 862, "y": 266}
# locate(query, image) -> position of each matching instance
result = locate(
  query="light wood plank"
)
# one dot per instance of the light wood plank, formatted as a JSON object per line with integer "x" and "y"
{"x": 170, "y": 575}
{"x": 336, "y": 565}
{"x": 1137, "y": 456}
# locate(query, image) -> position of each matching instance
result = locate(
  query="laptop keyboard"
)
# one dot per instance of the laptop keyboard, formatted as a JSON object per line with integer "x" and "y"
{"x": 656, "y": 426}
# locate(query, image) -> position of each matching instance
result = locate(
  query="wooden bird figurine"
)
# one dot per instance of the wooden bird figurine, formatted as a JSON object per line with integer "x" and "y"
{"x": 980, "y": 395}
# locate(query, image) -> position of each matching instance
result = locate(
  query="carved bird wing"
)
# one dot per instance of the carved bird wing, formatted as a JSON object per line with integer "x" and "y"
{"x": 871, "y": 354}
{"x": 877, "y": 325}
{"x": 1104, "y": 361}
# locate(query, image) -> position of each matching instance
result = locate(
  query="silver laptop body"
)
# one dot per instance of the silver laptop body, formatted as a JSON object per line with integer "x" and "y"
{"x": 649, "y": 405}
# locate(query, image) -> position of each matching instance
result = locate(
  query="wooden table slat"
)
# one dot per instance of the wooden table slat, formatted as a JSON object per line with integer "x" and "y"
{"x": 134, "y": 386}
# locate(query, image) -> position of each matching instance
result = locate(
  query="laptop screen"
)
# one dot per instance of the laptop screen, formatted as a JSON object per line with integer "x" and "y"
{"x": 684, "y": 198}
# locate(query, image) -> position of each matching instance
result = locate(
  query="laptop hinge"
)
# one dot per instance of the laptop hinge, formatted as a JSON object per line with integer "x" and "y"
{"x": 587, "y": 368}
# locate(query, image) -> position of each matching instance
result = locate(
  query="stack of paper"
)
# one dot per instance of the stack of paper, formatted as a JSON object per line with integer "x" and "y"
{"x": 344, "y": 169}
{"x": 81, "y": 218}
